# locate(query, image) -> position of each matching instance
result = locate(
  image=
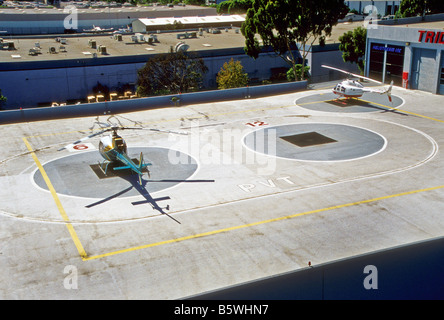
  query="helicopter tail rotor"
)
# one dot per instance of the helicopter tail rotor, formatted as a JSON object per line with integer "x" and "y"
{"x": 389, "y": 92}
{"x": 143, "y": 165}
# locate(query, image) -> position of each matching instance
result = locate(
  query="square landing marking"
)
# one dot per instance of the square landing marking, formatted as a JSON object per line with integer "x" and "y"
{"x": 308, "y": 139}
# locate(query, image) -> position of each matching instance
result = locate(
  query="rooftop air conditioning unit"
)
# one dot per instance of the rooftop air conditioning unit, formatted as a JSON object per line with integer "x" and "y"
{"x": 92, "y": 43}
{"x": 102, "y": 49}
{"x": 181, "y": 46}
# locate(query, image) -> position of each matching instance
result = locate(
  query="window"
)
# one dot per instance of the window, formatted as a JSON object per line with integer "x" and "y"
{"x": 442, "y": 76}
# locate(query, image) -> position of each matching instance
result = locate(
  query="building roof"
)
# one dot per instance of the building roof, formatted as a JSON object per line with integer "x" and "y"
{"x": 106, "y": 13}
{"x": 77, "y": 45}
{"x": 427, "y": 25}
{"x": 193, "y": 20}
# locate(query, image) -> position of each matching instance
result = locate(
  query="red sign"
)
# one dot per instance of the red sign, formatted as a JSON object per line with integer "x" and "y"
{"x": 431, "y": 36}
{"x": 80, "y": 147}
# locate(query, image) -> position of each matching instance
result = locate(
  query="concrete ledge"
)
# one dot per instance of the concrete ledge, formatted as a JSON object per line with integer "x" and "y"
{"x": 407, "y": 272}
{"x": 121, "y": 106}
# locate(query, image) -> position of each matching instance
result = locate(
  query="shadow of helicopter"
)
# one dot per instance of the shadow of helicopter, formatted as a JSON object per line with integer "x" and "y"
{"x": 141, "y": 188}
{"x": 356, "y": 102}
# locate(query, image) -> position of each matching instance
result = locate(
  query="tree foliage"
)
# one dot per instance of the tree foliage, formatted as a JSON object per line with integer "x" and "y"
{"x": 3, "y": 99}
{"x": 282, "y": 23}
{"x": 232, "y": 75}
{"x": 295, "y": 74}
{"x": 234, "y": 6}
{"x": 352, "y": 45}
{"x": 170, "y": 73}
{"x": 412, "y": 8}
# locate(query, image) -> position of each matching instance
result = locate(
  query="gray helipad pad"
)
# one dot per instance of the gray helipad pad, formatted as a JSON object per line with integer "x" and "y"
{"x": 329, "y": 102}
{"x": 73, "y": 175}
{"x": 315, "y": 142}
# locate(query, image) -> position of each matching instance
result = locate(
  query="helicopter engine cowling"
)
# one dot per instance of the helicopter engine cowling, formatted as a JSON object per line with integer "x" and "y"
{"x": 110, "y": 146}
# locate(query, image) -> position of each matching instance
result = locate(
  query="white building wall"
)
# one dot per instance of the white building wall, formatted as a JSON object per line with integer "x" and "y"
{"x": 381, "y": 6}
{"x": 409, "y": 37}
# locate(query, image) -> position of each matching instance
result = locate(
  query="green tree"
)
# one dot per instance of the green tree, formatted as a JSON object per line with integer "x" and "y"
{"x": 231, "y": 75}
{"x": 234, "y": 6}
{"x": 352, "y": 45}
{"x": 296, "y": 73}
{"x": 412, "y": 8}
{"x": 3, "y": 99}
{"x": 280, "y": 24}
{"x": 170, "y": 73}
{"x": 194, "y": 2}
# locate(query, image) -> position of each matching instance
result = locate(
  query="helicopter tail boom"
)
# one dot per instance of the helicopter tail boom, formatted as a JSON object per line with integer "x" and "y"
{"x": 129, "y": 164}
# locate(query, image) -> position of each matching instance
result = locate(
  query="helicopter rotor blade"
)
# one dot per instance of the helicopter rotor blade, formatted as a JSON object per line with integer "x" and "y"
{"x": 352, "y": 74}
{"x": 156, "y": 130}
{"x": 169, "y": 131}
{"x": 83, "y": 139}
{"x": 115, "y": 128}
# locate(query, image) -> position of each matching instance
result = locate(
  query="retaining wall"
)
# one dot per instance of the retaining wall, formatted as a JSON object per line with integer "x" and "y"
{"x": 413, "y": 271}
{"x": 121, "y": 106}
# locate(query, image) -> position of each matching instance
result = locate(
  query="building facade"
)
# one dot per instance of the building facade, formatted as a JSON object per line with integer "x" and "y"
{"x": 412, "y": 56}
{"x": 377, "y": 7}
{"x": 69, "y": 19}
{"x": 38, "y": 83}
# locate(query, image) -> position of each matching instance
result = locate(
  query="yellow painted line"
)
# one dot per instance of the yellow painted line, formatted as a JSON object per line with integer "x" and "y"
{"x": 313, "y": 102}
{"x": 210, "y": 233}
{"x": 404, "y": 111}
{"x": 62, "y": 211}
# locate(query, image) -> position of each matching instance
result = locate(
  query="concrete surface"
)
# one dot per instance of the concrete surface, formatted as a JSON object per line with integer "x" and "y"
{"x": 261, "y": 216}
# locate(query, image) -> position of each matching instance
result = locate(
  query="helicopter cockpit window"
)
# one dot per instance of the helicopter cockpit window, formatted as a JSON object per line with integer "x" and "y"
{"x": 342, "y": 89}
{"x": 119, "y": 143}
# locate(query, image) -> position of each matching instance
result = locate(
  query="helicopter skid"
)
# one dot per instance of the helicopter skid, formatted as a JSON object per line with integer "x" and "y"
{"x": 104, "y": 170}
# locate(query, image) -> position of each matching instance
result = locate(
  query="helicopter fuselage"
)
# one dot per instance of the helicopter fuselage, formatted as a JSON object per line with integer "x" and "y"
{"x": 112, "y": 145}
{"x": 349, "y": 89}
{"x": 113, "y": 149}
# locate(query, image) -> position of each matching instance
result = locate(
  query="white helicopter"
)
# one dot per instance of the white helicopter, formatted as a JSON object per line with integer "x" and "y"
{"x": 96, "y": 29}
{"x": 354, "y": 89}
